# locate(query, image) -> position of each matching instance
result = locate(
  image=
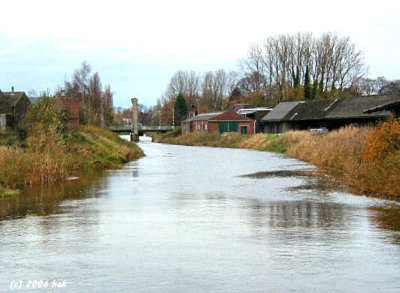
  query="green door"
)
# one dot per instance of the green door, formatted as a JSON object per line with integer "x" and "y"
{"x": 228, "y": 127}
{"x": 223, "y": 127}
{"x": 244, "y": 129}
{"x": 233, "y": 126}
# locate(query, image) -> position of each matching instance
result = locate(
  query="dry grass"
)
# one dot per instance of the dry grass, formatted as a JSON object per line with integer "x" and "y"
{"x": 50, "y": 158}
{"x": 337, "y": 149}
{"x": 370, "y": 157}
{"x": 255, "y": 142}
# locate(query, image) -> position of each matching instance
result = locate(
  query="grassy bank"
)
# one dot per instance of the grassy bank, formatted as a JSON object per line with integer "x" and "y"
{"x": 43, "y": 151}
{"x": 369, "y": 157}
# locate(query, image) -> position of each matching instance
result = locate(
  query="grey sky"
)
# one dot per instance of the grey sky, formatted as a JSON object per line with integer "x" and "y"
{"x": 136, "y": 46}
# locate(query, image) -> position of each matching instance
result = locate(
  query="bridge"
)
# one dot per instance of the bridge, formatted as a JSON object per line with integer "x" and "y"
{"x": 142, "y": 129}
{"x": 135, "y": 130}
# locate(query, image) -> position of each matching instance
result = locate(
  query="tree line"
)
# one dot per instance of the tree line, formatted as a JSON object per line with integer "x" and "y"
{"x": 319, "y": 66}
{"x": 282, "y": 68}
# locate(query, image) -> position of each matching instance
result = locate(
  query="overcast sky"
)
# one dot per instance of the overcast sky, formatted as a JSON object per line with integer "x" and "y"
{"x": 136, "y": 46}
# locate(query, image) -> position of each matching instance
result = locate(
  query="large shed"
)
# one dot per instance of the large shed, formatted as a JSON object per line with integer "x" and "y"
{"x": 331, "y": 114}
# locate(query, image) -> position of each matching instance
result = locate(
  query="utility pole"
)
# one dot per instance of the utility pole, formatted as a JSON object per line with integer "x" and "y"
{"x": 135, "y": 118}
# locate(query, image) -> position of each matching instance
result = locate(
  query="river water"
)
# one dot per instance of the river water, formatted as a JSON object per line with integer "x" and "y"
{"x": 199, "y": 219}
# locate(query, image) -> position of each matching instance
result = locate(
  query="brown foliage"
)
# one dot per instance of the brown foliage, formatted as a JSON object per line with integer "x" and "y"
{"x": 383, "y": 142}
{"x": 382, "y": 156}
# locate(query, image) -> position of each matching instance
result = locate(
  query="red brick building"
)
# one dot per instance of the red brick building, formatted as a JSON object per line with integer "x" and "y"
{"x": 71, "y": 106}
{"x": 219, "y": 122}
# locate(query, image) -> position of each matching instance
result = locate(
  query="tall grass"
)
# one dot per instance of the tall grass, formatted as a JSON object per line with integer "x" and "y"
{"x": 341, "y": 149}
{"x": 50, "y": 157}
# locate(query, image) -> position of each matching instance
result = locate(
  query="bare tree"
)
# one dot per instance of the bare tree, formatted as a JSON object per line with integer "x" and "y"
{"x": 332, "y": 62}
{"x": 95, "y": 104}
{"x": 216, "y": 88}
{"x": 185, "y": 82}
{"x": 254, "y": 68}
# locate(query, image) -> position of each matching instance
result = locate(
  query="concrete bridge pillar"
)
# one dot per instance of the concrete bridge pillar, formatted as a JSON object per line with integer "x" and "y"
{"x": 135, "y": 120}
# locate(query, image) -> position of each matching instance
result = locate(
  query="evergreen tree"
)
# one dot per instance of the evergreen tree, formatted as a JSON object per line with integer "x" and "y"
{"x": 307, "y": 85}
{"x": 181, "y": 109}
{"x": 297, "y": 77}
{"x": 314, "y": 90}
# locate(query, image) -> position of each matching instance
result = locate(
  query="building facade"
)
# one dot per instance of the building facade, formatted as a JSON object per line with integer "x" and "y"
{"x": 71, "y": 107}
{"x": 219, "y": 122}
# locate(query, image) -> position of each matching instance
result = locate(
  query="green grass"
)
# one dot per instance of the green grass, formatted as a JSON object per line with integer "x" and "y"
{"x": 101, "y": 148}
{"x": 278, "y": 146}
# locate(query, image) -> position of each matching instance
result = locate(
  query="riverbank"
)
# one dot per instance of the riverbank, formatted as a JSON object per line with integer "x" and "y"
{"x": 369, "y": 157}
{"x": 49, "y": 157}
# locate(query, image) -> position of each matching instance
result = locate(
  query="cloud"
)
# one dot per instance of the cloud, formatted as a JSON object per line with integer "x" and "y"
{"x": 137, "y": 45}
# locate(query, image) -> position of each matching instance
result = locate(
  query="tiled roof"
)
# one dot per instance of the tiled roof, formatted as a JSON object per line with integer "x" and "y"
{"x": 354, "y": 107}
{"x": 13, "y": 97}
{"x": 230, "y": 116}
{"x": 312, "y": 111}
{"x": 330, "y": 109}
{"x": 219, "y": 116}
{"x": 281, "y": 111}
{"x": 385, "y": 106}
{"x": 202, "y": 117}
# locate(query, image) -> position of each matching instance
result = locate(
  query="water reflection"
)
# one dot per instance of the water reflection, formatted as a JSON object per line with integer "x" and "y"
{"x": 388, "y": 218}
{"x": 42, "y": 200}
{"x": 298, "y": 214}
{"x": 185, "y": 219}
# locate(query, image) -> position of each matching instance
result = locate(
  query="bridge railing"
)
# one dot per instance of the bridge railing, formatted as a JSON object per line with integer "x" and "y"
{"x": 170, "y": 128}
{"x": 143, "y": 128}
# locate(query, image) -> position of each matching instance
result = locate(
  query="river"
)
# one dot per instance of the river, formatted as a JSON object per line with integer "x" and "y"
{"x": 200, "y": 219}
